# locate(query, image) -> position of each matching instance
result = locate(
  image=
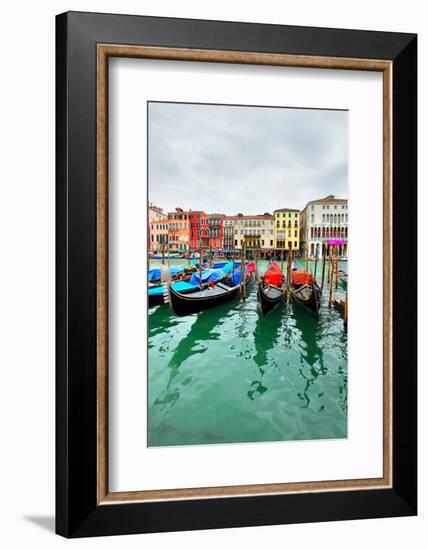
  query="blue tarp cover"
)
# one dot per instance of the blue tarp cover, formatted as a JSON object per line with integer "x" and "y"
{"x": 179, "y": 286}
{"x": 209, "y": 275}
{"x": 155, "y": 272}
{"x": 236, "y": 276}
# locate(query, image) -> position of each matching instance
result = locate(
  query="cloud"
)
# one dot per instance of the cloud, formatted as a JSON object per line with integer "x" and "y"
{"x": 233, "y": 159}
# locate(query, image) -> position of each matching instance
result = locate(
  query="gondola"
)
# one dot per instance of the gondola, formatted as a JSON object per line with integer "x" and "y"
{"x": 305, "y": 291}
{"x": 212, "y": 295}
{"x": 269, "y": 291}
{"x": 201, "y": 299}
{"x": 158, "y": 294}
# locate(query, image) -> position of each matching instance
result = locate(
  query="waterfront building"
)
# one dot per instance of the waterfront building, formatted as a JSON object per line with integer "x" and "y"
{"x": 179, "y": 230}
{"x": 323, "y": 220}
{"x": 287, "y": 229}
{"x": 206, "y": 231}
{"x": 256, "y": 230}
{"x": 215, "y": 224}
{"x": 155, "y": 214}
{"x": 228, "y": 235}
{"x": 158, "y": 235}
{"x": 194, "y": 230}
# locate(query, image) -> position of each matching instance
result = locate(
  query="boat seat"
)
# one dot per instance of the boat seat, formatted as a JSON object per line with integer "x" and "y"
{"x": 223, "y": 286}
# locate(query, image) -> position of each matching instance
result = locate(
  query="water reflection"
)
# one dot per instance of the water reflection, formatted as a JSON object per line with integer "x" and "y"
{"x": 206, "y": 327}
{"x": 311, "y": 355}
{"x": 266, "y": 334}
{"x": 159, "y": 322}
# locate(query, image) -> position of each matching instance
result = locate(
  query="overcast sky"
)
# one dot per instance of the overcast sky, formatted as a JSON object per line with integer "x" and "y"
{"x": 252, "y": 160}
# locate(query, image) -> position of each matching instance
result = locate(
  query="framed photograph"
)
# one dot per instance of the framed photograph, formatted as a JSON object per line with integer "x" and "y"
{"x": 236, "y": 245}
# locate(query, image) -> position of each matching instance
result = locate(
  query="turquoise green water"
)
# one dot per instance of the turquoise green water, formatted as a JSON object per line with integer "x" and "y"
{"x": 229, "y": 375}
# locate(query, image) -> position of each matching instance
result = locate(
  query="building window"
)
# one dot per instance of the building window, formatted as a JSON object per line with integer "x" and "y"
{"x": 312, "y": 218}
{"x": 295, "y": 244}
{"x": 295, "y": 233}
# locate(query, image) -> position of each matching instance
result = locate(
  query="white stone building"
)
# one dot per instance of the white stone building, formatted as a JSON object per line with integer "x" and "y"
{"x": 156, "y": 213}
{"x": 257, "y": 230}
{"x": 321, "y": 221}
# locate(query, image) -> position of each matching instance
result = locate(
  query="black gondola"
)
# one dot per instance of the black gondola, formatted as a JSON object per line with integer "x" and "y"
{"x": 269, "y": 291}
{"x": 308, "y": 296}
{"x": 269, "y": 297}
{"x": 201, "y": 299}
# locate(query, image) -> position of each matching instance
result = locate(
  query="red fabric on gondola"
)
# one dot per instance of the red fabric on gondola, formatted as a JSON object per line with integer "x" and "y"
{"x": 273, "y": 275}
{"x": 251, "y": 267}
{"x": 301, "y": 278}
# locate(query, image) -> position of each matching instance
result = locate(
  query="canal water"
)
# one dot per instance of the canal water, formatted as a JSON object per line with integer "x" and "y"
{"x": 230, "y": 375}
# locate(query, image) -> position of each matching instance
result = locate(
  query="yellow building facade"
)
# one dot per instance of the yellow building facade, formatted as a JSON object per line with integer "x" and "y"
{"x": 287, "y": 229}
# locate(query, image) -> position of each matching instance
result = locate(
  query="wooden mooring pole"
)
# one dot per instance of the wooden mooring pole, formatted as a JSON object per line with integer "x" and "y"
{"x": 323, "y": 267}
{"x": 288, "y": 282}
{"x": 337, "y": 268}
{"x": 240, "y": 270}
{"x": 243, "y": 270}
{"x": 316, "y": 263}
{"x": 345, "y": 313}
{"x": 330, "y": 298}
{"x": 200, "y": 263}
